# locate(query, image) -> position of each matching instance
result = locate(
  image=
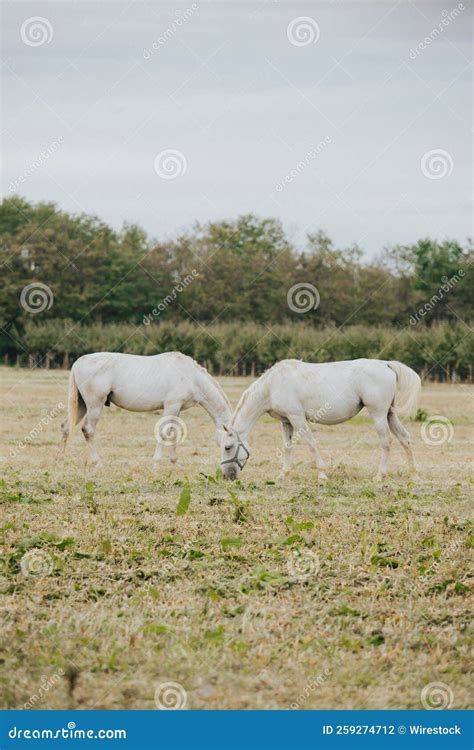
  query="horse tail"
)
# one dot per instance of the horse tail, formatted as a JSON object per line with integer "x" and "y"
{"x": 408, "y": 389}
{"x": 72, "y": 401}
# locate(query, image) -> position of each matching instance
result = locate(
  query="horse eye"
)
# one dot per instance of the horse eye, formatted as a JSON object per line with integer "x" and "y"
{"x": 227, "y": 447}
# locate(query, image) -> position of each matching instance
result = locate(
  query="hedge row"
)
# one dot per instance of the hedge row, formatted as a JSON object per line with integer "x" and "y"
{"x": 442, "y": 352}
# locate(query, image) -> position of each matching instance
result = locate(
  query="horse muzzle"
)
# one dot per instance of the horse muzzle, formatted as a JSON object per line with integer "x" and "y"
{"x": 232, "y": 467}
{"x": 231, "y": 472}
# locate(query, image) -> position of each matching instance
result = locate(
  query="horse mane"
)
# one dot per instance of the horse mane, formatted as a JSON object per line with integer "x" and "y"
{"x": 206, "y": 372}
{"x": 216, "y": 384}
{"x": 256, "y": 385}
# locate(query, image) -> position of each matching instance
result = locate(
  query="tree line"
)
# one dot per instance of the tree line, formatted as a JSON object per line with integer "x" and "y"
{"x": 247, "y": 270}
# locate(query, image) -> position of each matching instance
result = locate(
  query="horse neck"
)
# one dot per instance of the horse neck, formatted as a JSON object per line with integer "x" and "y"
{"x": 214, "y": 401}
{"x": 252, "y": 405}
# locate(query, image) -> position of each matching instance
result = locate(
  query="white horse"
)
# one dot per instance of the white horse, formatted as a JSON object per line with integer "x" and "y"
{"x": 170, "y": 381}
{"x": 296, "y": 392}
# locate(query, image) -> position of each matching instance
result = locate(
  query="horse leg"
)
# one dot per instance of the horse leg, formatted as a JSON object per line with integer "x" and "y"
{"x": 172, "y": 453}
{"x": 303, "y": 429}
{"x": 66, "y": 427}
{"x": 382, "y": 429}
{"x": 88, "y": 430}
{"x": 170, "y": 434}
{"x": 403, "y": 436}
{"x": 287, "y": 434}
{"x": 158, "y": 454}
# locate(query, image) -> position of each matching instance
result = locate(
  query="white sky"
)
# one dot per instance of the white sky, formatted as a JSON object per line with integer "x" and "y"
{"x": 244, "y": 106}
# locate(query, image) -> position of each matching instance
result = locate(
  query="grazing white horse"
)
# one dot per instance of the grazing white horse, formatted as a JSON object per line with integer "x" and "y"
{"x": 170, "y": 381}
{"x": 297, "y": 392}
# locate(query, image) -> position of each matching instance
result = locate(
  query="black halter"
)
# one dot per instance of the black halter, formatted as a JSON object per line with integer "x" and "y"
{"x": 235, "y": 459}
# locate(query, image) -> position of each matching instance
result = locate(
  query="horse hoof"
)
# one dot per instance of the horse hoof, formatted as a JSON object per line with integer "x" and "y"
{"x": 378, "y": 479}
{"x": 322, "y": 477}
{"x": 173, "y": 460}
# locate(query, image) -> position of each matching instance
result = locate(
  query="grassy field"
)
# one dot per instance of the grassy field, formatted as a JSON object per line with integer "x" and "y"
{"x": 290, "y": 595}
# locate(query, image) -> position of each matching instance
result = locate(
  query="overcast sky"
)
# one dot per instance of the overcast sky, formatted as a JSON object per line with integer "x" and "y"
{"x": 244, "y": 92}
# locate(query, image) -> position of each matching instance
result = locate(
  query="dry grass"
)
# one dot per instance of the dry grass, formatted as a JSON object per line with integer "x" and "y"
{"x": 135, "y": 595}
